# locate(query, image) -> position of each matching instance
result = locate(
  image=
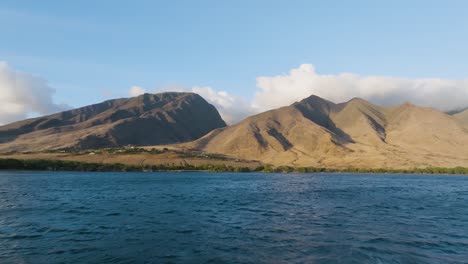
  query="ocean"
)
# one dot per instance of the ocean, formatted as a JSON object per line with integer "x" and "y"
{"x": 197, "y": 217}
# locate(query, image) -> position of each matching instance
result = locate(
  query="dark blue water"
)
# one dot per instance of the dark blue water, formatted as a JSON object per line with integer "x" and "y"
{"x": 61, "y": 217}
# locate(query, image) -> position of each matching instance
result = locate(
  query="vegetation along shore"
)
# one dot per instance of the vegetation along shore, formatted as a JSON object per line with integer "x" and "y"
{"x": 64, "y": 165}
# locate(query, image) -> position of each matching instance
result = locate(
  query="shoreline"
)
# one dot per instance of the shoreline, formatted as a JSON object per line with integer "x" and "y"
{"x": 66, "y": 165}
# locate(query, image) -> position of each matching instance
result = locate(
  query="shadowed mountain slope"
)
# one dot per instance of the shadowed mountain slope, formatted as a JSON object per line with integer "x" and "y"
{"x": 148, "y": 119}
{"x": 316, "y": 132}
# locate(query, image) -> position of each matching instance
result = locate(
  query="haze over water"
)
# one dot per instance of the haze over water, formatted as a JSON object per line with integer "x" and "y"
{"x": 71, "y": 217}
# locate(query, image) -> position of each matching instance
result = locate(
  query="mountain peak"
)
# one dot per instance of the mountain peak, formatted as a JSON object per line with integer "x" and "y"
{"x": 148, "y": 119}
{"x": 357, "y": 99}
{"x": 314, "y": 99}
{"x": 317, "y": 132}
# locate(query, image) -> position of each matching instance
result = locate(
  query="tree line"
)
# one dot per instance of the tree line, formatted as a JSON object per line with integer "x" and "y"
{"x": 65, "y": 165}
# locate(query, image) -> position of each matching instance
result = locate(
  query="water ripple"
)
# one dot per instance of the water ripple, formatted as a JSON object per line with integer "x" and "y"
{"x": 59, "y": 217}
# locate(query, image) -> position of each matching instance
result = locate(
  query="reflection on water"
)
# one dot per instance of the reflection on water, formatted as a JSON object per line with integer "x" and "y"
{"x": 55, "y": 217}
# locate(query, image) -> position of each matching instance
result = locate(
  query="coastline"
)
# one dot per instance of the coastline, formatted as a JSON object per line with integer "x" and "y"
{"x": 67, "y": 165}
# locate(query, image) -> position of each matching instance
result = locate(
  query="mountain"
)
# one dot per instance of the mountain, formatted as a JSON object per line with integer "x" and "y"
{"x": 317, "y": 132}
{"x": 149, "y": 119}
{"x": 462, "y": 115}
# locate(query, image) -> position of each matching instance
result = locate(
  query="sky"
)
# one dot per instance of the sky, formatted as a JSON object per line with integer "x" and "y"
{"x": 242, "y": 56}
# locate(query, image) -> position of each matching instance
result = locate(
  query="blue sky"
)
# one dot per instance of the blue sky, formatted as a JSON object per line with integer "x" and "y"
{"x": 89, "y": 51}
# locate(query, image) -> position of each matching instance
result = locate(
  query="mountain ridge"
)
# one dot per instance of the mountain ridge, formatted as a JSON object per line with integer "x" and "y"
{"x": 312, "y": 132}
{"x": 143, "y": 120}
{"x": 356, "y": 133}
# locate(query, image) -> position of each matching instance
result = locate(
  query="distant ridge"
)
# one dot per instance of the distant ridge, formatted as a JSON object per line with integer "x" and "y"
{"x": 148, "y": 119}
{"x": 317, "y": 132}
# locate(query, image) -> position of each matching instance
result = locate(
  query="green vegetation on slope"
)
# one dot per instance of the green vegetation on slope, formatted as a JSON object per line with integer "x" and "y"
{"x": 136, "y": 150}
{"x": 61, "y": 165}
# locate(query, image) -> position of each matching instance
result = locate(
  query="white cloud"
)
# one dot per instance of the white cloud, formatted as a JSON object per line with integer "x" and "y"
{"x": 232, "y": 109}
{"x": 22, "y": 94}
{"x": 136, "y": 91}
{"x": 299, "y": 83}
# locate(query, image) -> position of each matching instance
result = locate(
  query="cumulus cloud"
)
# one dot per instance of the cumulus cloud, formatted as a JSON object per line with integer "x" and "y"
{"x": 136, "y": 91}
{"x": 22, "y": 94}
{"x": 281, "y": 90}
{"x": 232, "y": 109}
{"x": 299, "y": 83}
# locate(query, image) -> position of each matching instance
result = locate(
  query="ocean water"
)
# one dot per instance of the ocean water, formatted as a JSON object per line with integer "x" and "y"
{"x": 74, "y": 217}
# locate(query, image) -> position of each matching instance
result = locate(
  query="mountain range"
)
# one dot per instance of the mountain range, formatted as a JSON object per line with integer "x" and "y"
{"x": 312, "y": 132}
{"x": 317, "y": 132}
{"x": 149, "y": 119}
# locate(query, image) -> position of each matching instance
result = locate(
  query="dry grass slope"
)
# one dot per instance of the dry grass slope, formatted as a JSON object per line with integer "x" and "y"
{"x": 148, "y": 119}
{"x": 462, "y": 115}
{"x": 316, "y": 132}
{"x": 311, "y": 133}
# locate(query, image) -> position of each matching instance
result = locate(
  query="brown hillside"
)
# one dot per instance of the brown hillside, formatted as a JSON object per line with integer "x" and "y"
{"x": 462, "y": 115}
{"x": 149, "y": 119}
{"x": 316, "y": 132}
